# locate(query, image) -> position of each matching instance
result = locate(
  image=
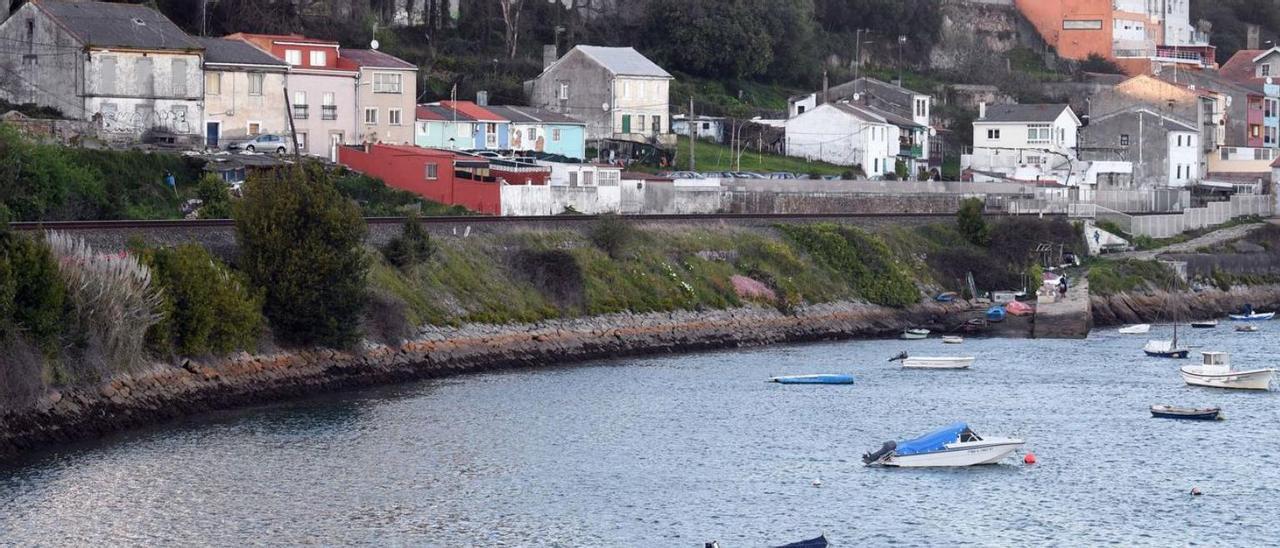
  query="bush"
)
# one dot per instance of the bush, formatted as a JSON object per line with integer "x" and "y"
{"x": 39, "y": 292}
{"x": 971, "y": 223}
{"x": 300, "y": 240}
{"x": 612, "y": 235}
{"x": 21, "y": 373}
{"x": 208, "y": 308}
{"x": 113, "y": 304}
{"x": 863, "y": 259}
{"x": 1111, "y": 277}
{"x": 214, "y": 197}
{"x": 555, "y": 273}
{"x": 413, "y": 245}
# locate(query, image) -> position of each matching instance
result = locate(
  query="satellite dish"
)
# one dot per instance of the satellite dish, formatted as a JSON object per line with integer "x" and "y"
{"x": 604, "y": 107}
{"x": 1268, "y": 80}
{"x": 933, "y": 132}
{"x": 373, "y": 44}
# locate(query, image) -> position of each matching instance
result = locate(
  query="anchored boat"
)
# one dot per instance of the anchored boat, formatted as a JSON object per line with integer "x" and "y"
{"x": 1188, "y": 413}
{"x": 1251, "y": 316}
{"x": 940, "y": 362}
{"x": 1216, "y": 372}
{"x": 915, "y": 334}
{"x": 953, "y": 339}
{"x": 1135, "y": 329}
{"x": 1205, "y": 324}
{"x": 826, "y": 378}
{"x": 954, "y": 445}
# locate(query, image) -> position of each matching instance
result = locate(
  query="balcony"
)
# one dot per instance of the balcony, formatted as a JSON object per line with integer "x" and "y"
{"x": 911, "y": 151}
{"x": 329, "y": 112}
{"x": 300, "y": 112}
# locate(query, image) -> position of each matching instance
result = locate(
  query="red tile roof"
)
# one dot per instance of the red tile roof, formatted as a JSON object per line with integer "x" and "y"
{"x": 280, "y": 38}
{"x": 1239, "y": 68}
{"x": 370, "y": 58}
{"x": 476, "y": 112}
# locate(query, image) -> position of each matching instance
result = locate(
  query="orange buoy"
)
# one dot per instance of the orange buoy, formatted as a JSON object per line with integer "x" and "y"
{"x": 1029, "y": 458}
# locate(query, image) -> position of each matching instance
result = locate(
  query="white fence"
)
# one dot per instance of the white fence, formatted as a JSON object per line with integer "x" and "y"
{"x": 1214, "y": 213}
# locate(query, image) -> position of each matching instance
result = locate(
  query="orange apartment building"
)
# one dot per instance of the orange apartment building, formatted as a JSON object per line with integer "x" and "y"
{"x": 1138, "y": 35}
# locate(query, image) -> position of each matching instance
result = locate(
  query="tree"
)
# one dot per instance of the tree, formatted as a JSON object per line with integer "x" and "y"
{"x": 511, "y": 18}
{"x": 215, "y": 200}
{"x": 1098, "y": 63}
{"x": 300, "y": 241}
{"x": 412, "y": 246}
{"x": 712, "y": 38}
{"x": 970, "y": 222}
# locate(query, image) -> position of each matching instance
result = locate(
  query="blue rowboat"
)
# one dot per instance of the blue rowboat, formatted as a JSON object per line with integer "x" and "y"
{"x": 827, "y": 378}
{"x": 996, "y": 313}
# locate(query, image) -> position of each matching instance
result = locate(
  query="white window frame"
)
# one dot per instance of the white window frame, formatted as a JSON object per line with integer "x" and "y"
{"x": 293, "y": 57}
{"x": 367, "y": 111}
{"x": 1043, "y": 133}
{"x": 216, "y": 78}
{"x": 563, "y": 91}
{"x": 1264, "y": 69}
{"x": 432, "y": 171}
{"x": 178, "y": 79}
{"x": 261, "y": 80}
{"x": 555, "y": 135}
{"x": 318, "y": 58}
{"x": 395, "y": 116}
{"x": 387, "y": 82}
{"x": 993, "y": 134}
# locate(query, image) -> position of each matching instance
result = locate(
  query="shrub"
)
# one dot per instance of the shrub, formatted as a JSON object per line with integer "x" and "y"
{"x": 555, "y": 273}
{"x": 1111, "y": 277}
{"x": 300, "y": 241}
{"x": 412, "y": 246}
{"x": 863, "y": 259}
{"x": 214, "y": 197}
{"x": 612, "y": 235}
{"x": 969, "y": 220}
{"x": 209, "y": 309}
{"x": 113, "y": 302}
{"x": 39, "y": 292}
{"x": 21, "y": 373}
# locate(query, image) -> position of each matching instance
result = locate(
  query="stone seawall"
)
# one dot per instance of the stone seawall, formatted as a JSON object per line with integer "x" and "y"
{"x": 168, "y": 391}
{"x": 1128, "y": 308}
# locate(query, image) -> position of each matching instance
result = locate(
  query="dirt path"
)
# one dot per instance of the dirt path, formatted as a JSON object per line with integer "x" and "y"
{"x": 1210, "y": 239}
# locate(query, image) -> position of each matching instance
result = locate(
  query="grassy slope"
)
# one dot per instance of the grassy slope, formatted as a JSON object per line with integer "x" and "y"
{"x": 714, "y": 157}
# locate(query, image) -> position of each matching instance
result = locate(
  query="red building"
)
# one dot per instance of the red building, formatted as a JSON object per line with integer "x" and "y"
{"x": 448, "y": 177}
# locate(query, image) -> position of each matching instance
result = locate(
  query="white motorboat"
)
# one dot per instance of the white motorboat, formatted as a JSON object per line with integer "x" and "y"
{"x": 1250, "y": 316}
{"x": 1216, "y": 372}
{"x": 953, "y": 339}
{"x": 954, "y": 445}
{"x": 915, "y": 334}
{"x": 939, "y": 362}
{"x": 1135, "y": 329}
{"x": 1247, "y": 328}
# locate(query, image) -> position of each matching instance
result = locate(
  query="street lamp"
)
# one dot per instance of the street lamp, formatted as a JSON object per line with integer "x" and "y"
{"x": 902, "y": 40}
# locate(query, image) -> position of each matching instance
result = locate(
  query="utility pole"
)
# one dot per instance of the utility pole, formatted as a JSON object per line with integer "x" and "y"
{"x": 693, "y": 136}
{"x": 857, "y": 53}
{"x": 902, "y": 39}
{"x": 293, "y": 131}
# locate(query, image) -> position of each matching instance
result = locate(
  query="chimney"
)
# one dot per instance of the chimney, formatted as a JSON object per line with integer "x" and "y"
{"x": 548, "y": 55}
{"x": 482, "y": 98}
{"x": 982, "y": 110}
{"x": 1252, "y": 36}
{"x": 826, "y": 89}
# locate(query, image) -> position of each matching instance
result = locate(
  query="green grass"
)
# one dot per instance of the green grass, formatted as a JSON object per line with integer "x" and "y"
{"x": 713, "y": 157}
{"x": 1112, "y": 277}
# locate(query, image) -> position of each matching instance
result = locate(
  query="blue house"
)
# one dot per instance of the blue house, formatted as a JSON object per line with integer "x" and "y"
{"x": 539, "y": 130}
{"x": 460, "y": 125}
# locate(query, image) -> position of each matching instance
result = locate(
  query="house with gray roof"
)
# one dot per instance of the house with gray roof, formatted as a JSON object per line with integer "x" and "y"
{"x": 911, "y": 111}
{"x": 540, "y": 130}
{"x": 1164, "y": 151}
{"x": 1023, "y": 141}
{"x": 619, "y": 93}
{"x": 124, "y": 65}
{"x": 243, "y": 92}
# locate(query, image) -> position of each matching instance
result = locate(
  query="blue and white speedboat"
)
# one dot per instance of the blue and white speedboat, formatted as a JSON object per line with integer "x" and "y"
{"x": 954, "y": 445}
{"x": 825, "y": 378}
{"x": 1250, "y": 316}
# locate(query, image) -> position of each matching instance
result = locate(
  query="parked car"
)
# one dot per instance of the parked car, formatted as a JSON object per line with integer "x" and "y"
{"x": 266, "y": 142}
{"x": 748, "y": 175}
{"x": 832, "y": 177}
{"x": 683, "y": 175}
{"x": 781, "y": 175}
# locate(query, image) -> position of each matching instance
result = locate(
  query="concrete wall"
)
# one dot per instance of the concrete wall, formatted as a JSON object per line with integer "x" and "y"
{"x": 56, "y": 78}
{"x": 1215, "y": 213}
{"x": 553, "y": 200}
{"x": 405, "y": 101}
{"x": 233, "y": 108}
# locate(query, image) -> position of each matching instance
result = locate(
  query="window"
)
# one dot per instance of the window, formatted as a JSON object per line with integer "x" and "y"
{"x": 213, "y": 83}
{"x": 1269, "y": 108}
{"x": 302, "y": 140}
{"x": 370, "y": 115}
{"x": 108, "y": 75}
{"x": 145, "y": 76}
{"x": 393, "y": 116}
{"x": 293, "y": 57}
{"x": 564, "y": 91}
{"x": 178, "y": 77}
{"x": 255, "y": 83}
{"x": 300, "y": 105}
{"x": 921, "y": 107}
{"x": 432, "y": 172}
{"x": 1179, "y": 172}
{"x": 255, "y": 128}
{"x": 1179, "y": 140}
{"x": 587, "y": 177}
{"x": 799, "y": 109}
{"x": 706, "y": 126}
{"x": 328, "y": 110}
{"x": 1039, "y": 134}
{"x": 1124, "y": 139}
{"x": 533, "y": 135}
{"x": 626, "y": 89}
{"x": 555, "y": 135}
{"x": 573, "y": 178}
{"x": 317, "y": 59}
{"x": 993, "y": 134}
{"x": 657, "y": 124}
{"x": 384, "y": 82}
{"x": 1033, "y": 160}
{"x": 1082, "y": 24}
{"x": 1264, "y": 69}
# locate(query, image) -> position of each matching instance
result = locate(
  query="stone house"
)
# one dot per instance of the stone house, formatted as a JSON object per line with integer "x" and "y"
{"x": 1165, "y": 151}
{"x": 322, "y": 94}
{"x": 124, "y": 66}
{"x": 386, "y": 97}
{"x": 619, "y": 93}
{"x": 243, "y": 92}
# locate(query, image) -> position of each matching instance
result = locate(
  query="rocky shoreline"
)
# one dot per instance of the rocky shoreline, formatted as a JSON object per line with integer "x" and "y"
{"x": 169, "y": 391}
{"x": 1129, "y": 308}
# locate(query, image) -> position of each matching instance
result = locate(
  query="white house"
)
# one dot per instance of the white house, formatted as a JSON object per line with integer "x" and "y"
{"x": 705, "y": 127}
{"x": 907, "y": 109}
{"x": 844, "y": 134}
{"x": 1034, "y": 141}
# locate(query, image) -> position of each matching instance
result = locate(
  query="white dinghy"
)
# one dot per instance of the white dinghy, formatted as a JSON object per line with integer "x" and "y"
{"x": 954, "y": 445}
{"x": 934, "y": 362}
{"x": 1216, "y": 372}
{"x": 1135, "y": 329}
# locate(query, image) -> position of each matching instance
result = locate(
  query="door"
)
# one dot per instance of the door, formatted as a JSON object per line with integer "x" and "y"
{"x": 211, "y": 131}
{"x": 335, "y": 141}
{"x": 626, "y": 123}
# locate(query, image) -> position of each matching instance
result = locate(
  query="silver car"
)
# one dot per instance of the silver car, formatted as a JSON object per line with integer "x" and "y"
{"x": 266, "y": 142}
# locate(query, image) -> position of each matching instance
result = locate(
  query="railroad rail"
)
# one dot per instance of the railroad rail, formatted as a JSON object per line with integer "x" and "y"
{"x": 482, "y": 219}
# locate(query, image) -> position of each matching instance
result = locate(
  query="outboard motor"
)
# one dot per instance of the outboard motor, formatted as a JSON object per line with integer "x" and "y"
{"x": 900, "y": 356}
{"x": 872, "y": 458}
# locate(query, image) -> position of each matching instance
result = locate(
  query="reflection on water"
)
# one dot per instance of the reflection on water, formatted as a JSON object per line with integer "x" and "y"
{"x": 678, "y": 450}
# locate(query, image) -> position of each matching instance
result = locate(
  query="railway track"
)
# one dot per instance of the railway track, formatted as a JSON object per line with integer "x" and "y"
{"x": 472, "y": 219}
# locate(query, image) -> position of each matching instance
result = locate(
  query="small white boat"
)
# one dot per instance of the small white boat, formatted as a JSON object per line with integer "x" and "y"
{"x": 938, "y": 362}
{"x": 1253, "y": 316}
{"x": 955, "y": 445}
{"x": 915, "y": 334}
{"x": 1216, "y": 372}
{"x": 1247, "y": 328}
{"x": 1205, "y": 324}
{"x": 1135, "y": 329}
{"x": 953, "y": 339}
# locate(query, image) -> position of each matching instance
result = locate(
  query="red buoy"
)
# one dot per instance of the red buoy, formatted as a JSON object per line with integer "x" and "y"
{"x": 1029, "y": 458}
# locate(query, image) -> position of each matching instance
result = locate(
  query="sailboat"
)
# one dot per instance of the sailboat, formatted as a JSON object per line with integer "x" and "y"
{"x": 1167, "y": 349}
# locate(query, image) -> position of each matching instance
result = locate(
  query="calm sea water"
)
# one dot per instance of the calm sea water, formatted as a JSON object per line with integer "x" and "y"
{"x": 678, "y": 450}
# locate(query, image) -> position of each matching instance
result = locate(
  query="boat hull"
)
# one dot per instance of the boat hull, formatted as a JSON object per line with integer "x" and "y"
{"x": 1256, "y": 317}
{"x": 937, "y": 363}
{"x": 959, "y": 454}
{"x": 1166, "y": 412}
{"x": 1138, "y": 329}
{"x": 1204, "y": 325}
{"x": 814, "y": 379}
{"x": 1257, "y": 379}
{"x": 1178, "y": 354}
{"x": 914, "y": 336}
